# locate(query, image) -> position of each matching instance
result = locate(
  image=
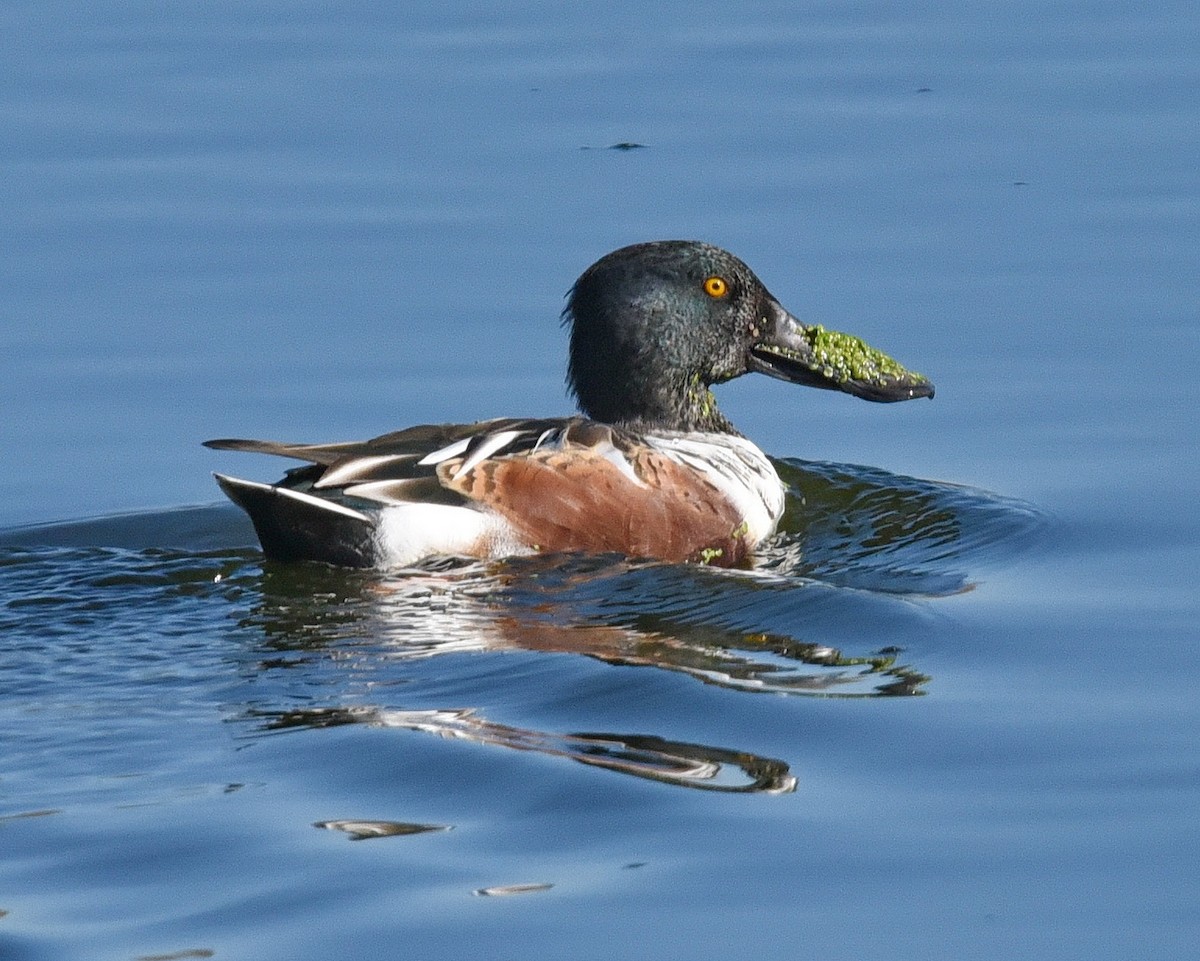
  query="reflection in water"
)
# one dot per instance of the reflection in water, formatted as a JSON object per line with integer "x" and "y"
{"x": 769, "y": 663}
{"x": 365, "y": 830}
{"x": 857, "y": 548}
{"x": 552, "y": 604}
{"x": 506, "y": 890}
{"x": 644, "y": 756}
{"x": 843, "y": 586}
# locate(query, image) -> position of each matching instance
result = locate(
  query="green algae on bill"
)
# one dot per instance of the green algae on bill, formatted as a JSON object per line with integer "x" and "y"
{"x": 844, "y": 357}
{"x": 840, "y": 361}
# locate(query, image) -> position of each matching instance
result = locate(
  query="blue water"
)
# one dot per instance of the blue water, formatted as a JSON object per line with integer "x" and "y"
{"x": 950, "y": 716}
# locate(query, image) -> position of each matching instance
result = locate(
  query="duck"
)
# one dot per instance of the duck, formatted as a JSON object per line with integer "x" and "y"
{"x": 649, "y": 468}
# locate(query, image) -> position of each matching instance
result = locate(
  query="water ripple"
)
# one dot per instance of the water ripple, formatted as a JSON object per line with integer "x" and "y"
{"x": 118, "y": 621}
{"x": 839, "y": 593}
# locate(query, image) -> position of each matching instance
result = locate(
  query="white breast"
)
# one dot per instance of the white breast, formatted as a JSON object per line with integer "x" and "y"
{"x": 739, "y": 469}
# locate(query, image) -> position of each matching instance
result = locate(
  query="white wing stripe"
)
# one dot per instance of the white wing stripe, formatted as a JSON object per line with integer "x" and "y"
{"x": 546, "y": 434}
{"x": 321, "y": 502}
{"x": 487, "y": 447}
{"x": 355, "y": 467}
{"x": 621, "y": 462}
{"x": 445, "y": 453}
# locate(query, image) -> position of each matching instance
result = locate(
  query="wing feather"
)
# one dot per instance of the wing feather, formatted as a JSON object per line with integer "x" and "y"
{"x": 558, "y": 484}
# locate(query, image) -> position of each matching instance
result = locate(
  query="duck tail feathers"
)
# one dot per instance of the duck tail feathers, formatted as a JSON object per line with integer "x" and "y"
{"x": 295, "y": 526}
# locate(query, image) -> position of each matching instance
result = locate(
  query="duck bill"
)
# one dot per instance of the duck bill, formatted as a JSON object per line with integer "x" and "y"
{"x": 816, "y": 357}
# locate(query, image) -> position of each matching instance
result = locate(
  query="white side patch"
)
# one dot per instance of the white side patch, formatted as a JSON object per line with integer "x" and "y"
{"x": 408, "y": 532}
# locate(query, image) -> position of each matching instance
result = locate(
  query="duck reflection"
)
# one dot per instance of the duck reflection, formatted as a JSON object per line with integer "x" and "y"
{"x": 646, "y": 756}
{"x": 376, "y": 624}
{"x": 857, "y": 548}
{"x": 360, "y": 830}
{"x": 553, "y": 605}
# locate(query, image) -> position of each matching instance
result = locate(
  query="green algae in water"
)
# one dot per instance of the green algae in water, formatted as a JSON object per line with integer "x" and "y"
{"x": 844, "y": 357}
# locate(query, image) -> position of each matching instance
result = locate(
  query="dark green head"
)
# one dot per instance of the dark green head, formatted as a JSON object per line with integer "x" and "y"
{"x": 655, "y": 324}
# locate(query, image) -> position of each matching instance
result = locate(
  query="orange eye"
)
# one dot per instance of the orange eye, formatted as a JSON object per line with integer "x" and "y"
{"x": 716, "y": 287}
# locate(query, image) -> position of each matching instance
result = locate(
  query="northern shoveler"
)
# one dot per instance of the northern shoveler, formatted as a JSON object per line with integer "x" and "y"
{"x": 652, "y": 469}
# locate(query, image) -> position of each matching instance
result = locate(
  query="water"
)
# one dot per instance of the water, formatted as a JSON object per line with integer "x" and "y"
{"x": 947, "y": 717}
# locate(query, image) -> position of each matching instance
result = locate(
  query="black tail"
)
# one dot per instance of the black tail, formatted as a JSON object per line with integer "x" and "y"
{"x": 294, "y": 526}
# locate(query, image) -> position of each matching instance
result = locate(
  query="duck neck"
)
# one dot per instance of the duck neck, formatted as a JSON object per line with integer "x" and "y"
{"x": 687, "y": 407}
{"x": 700, "y": 411}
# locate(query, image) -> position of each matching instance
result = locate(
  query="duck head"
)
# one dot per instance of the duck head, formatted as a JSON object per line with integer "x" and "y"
{"x": 654, "y": 325}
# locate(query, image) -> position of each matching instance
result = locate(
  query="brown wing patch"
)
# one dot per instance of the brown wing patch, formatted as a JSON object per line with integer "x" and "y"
{"x": 578, "y": 500}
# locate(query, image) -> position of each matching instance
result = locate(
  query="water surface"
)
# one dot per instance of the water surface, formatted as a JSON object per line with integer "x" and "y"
{"x": 948, "y": 715}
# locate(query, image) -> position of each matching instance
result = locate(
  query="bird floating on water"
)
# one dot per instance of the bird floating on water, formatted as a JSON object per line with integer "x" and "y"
{"x": 652, "y": 469}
